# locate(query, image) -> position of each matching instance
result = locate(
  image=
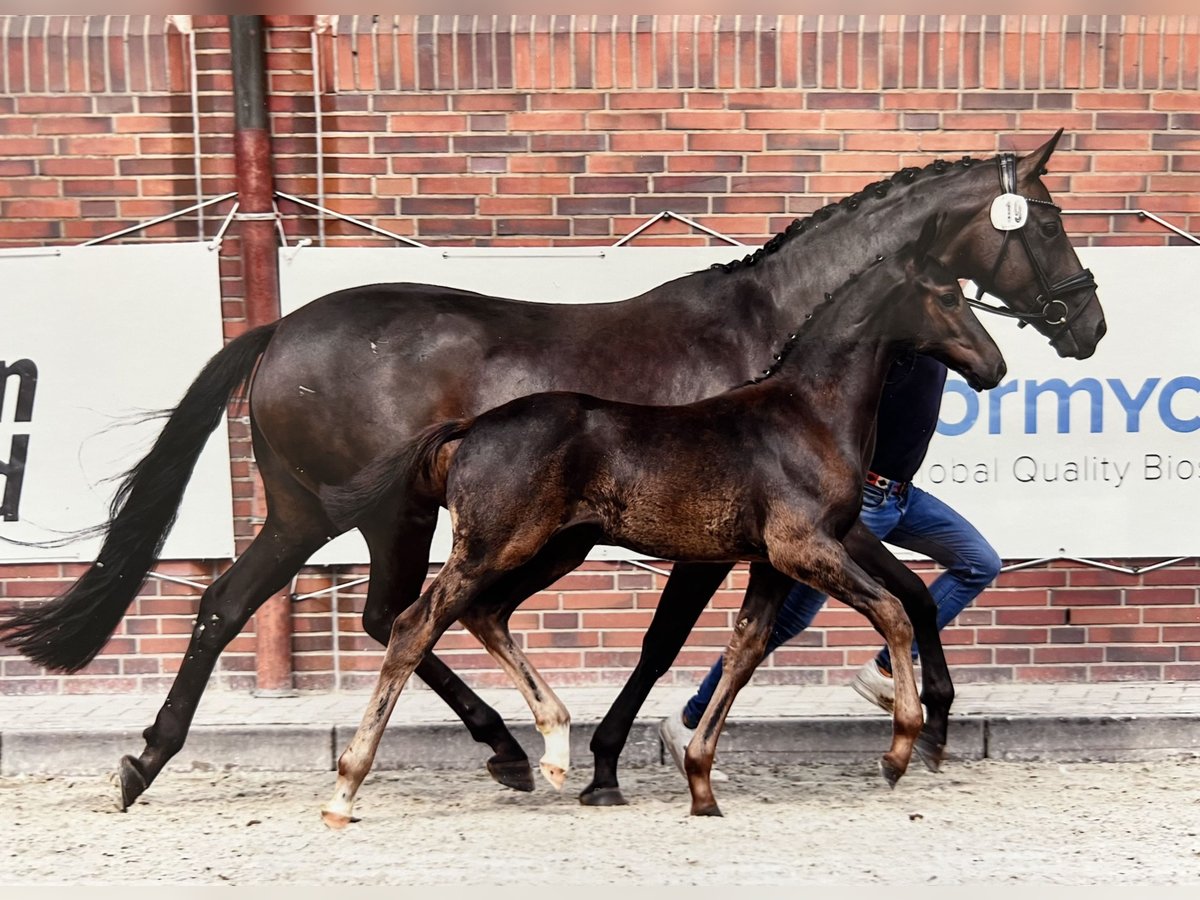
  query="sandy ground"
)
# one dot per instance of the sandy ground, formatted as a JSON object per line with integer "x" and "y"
{"x": 978, "y": 822}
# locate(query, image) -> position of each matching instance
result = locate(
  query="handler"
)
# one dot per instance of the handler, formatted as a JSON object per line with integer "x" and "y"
{"x": 896, "y": 511}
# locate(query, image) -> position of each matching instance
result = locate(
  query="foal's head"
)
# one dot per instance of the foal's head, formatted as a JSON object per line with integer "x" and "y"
{"x": 931, "y": 312}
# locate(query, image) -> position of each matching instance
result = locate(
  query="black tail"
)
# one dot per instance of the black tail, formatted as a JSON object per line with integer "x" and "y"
{"x": 346, "y": 503}
{"x": 67, "y": 632}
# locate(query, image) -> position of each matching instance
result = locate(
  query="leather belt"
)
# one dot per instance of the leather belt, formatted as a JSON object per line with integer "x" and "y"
{"x": 888, "y": 485}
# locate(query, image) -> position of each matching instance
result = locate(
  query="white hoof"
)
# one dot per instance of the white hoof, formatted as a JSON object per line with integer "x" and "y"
{"x": 556, "y": 775}
{"x": 556, "y": 761}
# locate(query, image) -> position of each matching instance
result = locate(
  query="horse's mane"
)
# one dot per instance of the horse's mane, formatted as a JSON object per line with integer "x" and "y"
{"x": 792, "y": 339}
{"x": 877, "y": 189}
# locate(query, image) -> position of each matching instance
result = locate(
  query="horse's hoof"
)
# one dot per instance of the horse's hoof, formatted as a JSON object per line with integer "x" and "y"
{"x": 130, "y": 782}
{"x": 512, "y": 773}
{"x": 556, "y": 775}
{"x": 336, "y": 821}
{"x": 891, "y": 771}
{"x": 604, "y": 796}
{"x": 707, "y": 810}
{"x": 932, "y": 753}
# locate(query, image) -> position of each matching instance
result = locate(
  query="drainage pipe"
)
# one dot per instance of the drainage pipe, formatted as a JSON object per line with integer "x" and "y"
{"x": 260, "y": 275}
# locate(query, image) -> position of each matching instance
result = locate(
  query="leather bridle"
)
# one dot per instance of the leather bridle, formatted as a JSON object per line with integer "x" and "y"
{"x": 1055, "y": 311}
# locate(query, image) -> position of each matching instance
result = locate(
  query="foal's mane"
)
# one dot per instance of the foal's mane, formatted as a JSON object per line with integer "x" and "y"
{"x": 878, "y": 189}
{"x": 792, "y": 339}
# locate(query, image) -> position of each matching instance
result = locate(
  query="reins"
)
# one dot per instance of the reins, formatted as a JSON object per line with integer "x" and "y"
{"x": 1010, "y": 213}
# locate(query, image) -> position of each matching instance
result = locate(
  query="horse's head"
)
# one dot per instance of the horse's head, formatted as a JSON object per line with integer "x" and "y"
{"x": 1015, "y": 247}
{"x": 934, "y": 314}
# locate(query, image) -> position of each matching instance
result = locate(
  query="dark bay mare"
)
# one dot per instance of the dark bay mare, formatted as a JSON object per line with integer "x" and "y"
{"x": 381, "y": 362}
{"x": 770, "y": 472}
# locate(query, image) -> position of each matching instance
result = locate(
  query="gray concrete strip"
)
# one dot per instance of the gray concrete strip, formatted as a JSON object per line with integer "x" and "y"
{"x": 260, "y": 748}
{"x": 746, "y": 742}
{"x": 1092, "y": 738}
{"x": 449, "y": 746}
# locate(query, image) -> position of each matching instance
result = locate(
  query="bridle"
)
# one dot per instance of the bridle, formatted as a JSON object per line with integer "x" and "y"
{"x": 1010, "y": 214}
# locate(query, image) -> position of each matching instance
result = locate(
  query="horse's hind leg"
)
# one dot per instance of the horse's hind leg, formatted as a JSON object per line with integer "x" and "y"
{"x": 937, "y": 688}
{"x": 399, "y": 564}
{"x": 687, "y": 592}
{"x": 560, "y": 555}
{"x": 551, "y": 717}
{"x": 268, "y": 564}
{"x": 414, "y": 631}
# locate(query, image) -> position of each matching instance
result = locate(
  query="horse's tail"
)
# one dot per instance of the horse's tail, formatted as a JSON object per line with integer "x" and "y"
{"x": 67, "y": 632}
{"x": 416, "y": 462}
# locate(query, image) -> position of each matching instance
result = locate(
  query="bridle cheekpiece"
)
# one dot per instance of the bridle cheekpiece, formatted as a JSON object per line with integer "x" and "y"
{"x": 1010, "y": 214}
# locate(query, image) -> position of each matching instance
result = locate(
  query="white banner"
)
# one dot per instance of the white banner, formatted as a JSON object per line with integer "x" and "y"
{"x": 546, "y": 274}
{"x": 91, "y": 338}
{"x": 1067, "y": 457}
{"x": 1091, "y": 458}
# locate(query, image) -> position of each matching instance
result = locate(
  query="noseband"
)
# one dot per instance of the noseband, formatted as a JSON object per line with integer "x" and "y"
{"x": 1010, "y": 215}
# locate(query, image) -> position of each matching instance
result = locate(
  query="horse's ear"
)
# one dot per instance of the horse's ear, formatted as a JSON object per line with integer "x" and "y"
{"x": 1034, "y": 164}
{"x": 929, "y": 233}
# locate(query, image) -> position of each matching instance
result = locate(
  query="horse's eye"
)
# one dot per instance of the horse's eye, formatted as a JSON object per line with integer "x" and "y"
{"x": 1050, "y": 229}
{"x": 949, "y": 300}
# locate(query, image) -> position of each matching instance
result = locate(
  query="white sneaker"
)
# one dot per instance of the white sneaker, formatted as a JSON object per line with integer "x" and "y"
{"x": 875, "y": 686}
{"x": 675, "y": 737}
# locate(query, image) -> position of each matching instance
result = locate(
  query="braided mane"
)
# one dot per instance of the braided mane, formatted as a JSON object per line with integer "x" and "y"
{"x": 876, "y": 189}
{"x": 792, "y": 339}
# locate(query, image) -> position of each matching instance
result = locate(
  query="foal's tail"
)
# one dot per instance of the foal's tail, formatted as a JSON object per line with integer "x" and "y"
{"x": 416, "y": 462}
{"x": 67, "y": 632}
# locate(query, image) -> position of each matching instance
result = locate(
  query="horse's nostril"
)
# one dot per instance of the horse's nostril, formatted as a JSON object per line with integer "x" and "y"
{"x": 1101, "y": 329}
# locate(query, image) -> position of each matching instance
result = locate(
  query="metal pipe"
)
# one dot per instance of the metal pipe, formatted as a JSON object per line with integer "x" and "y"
{"x": 260, "y": 273}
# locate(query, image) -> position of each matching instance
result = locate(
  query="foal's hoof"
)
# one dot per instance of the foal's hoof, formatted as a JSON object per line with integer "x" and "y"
{"x": 891, "y": 771}
{"x": 130, "y": 782}
{"x": 512, "y": 773}
{"x": 337, "y": 821}
{"x": 931, "y": 752}
{"x": 710, "y": 809}
{"x": 556, "y": 775}
{"x": 602, "y": 796}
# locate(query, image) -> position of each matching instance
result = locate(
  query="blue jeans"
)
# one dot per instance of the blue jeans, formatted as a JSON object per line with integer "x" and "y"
{"x": 914, "y": 520}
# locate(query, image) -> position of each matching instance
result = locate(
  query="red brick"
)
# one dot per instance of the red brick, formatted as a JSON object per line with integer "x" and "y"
{"x": 1085, "y": 597}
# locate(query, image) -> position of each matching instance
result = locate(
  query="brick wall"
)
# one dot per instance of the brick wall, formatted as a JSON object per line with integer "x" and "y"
{"x": 574, "y": 130}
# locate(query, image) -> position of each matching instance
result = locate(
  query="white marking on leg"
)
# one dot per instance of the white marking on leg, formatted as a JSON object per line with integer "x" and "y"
{"x": 556, "y": 761}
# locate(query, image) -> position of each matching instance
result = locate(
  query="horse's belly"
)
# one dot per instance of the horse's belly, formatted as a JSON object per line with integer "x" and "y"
{"x": 694, "y": 528}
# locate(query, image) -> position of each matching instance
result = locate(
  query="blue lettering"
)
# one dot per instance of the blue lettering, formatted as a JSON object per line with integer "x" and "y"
{"x": 1170, "y": 389}
{"x": 970, "y": 415}
{"x": 1034, "y": 389}
{"x": 1132, "y": 405}
{"x": 994, "y": 396}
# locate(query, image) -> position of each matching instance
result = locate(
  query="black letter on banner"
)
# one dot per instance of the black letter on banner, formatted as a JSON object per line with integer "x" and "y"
{"x": 27, "y": 372}
{"x": 13, "y": 472}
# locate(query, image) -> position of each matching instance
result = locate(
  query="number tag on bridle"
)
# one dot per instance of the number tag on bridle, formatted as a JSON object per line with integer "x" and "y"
{"x": 1009, "y": 212}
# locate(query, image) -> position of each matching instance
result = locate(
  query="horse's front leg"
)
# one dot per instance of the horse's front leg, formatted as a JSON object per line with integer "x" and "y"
{"x": 764, "y": 596}
{"x": 688, "y": 590}
{"x": 937, "y": 688}
{"x": 824, "y": 563}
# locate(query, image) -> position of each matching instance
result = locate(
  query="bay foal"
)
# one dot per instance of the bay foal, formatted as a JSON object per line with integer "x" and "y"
{"x": 770, "y": 472}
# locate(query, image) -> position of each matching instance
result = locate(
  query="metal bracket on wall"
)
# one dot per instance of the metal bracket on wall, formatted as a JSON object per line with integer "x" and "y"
{"x": 367, "y": 226}
{"x": 1140, "y": 213}
{"x": 158, "y": 220}
{"x": 1095, "y": 564}
{"x": 665, "y": 216}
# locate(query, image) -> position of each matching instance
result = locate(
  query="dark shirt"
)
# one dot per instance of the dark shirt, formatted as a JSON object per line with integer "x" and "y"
{"x": 908, "y": 416}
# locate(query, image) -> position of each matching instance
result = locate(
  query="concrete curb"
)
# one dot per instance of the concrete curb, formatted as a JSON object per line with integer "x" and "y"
{"x": 842, "y": 739}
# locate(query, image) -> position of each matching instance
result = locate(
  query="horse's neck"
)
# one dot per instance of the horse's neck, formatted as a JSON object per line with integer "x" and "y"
{"x": 807, "y": 266}
{"x": 840, "y": 359}
{"x": 753, "y": 308}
